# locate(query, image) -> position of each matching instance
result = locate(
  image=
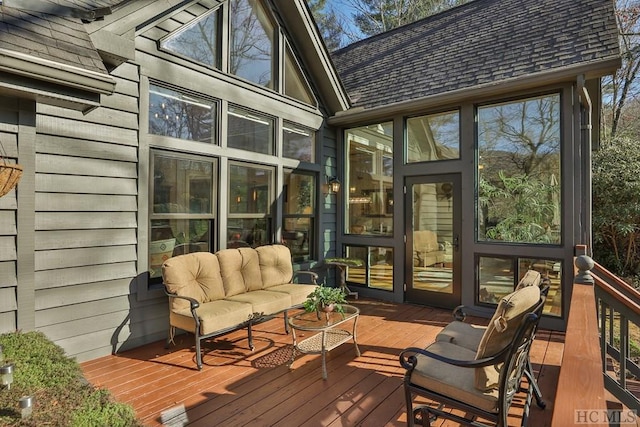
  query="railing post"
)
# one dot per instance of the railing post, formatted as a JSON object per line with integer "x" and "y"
{"x": 584, "y": 264}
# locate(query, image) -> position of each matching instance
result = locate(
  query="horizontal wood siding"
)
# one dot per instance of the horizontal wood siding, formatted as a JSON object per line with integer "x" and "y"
{"x": 8, "y": 224}
{"x": 86, "y": 221}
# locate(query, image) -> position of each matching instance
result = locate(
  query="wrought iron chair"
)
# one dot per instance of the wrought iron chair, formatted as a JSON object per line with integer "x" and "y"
{"x": 480, "y": 383}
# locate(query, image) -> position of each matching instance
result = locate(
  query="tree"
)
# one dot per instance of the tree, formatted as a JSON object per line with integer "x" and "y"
{"x": 616, "y": 207}
{"x": 376, "y": 16}
{"x": 622, "y": 89}
{"x": 332, "y": 27}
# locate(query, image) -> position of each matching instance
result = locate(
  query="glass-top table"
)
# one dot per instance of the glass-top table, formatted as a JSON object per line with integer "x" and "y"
{"x": 328, "y": 335}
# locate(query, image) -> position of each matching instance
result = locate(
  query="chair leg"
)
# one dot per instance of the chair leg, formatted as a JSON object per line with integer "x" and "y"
{"x": 528, "y": 372}
{"x": 170, "y": 336}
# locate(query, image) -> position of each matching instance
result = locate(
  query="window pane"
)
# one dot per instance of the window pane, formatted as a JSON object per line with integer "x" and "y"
{"x": 370, "y": 179}
{"x": 249, "y": 190}
{"x": 299, "y": 210}
{"x": 298, "y": 143}
{"x": 248, "y": 232}
{"x": 433, "y": 137}
{"x": 251, "y": 38}
{"x": 180, "y": 116}
{"x": 182, "y": 186}
{"x": 496, "y": 279}
{"x": 552, "y": 270}
{"x": 250, "y": 131}
{"x": 377, "y": 266}
{"x": 172, "y": 237}
{"x": 294, "y": 83}
{"x": 519, "y": 171}
{"x": 197, "y": 40}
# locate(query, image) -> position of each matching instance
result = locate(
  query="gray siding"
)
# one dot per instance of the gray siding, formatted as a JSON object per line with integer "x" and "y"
{"x": 86, "y": 221}
{"x": 8, "y": 225}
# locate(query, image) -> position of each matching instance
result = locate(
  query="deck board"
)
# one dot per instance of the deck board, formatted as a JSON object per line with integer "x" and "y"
{"x": 241, "y": 387}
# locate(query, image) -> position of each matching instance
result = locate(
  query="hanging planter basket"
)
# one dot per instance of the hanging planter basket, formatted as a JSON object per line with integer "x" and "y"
{"x": 10, "y": 174}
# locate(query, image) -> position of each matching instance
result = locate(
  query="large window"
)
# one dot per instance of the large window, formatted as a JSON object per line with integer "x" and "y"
{"x": 299, "y": 214}
{"x": 182, "y": 207}
{"x": 250, "y": 205}
{"x": 370, "y": 179}
{"x": 376, "y": 270}
{"x": 433, "y": 137}
{"x": 252, "y": 34}
{"x": 294, "y": 82}
{"x": 250, "y": 131}
{"x": 178, "y": 115}
{"x": 519, "y": 172}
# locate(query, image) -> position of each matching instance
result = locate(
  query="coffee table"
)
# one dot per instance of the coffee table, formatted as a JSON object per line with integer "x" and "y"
{"x": 326, "y": 333}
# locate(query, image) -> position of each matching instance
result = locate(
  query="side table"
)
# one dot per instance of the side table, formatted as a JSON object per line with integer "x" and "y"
{"x": 342, "y": 264}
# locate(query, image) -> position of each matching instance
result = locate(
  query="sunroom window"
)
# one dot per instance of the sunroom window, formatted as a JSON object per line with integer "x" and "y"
{"x": 370, "y": 179}
{"x": 298, "y": 143}
{"x": 294, "y": 83}
{"x": 433, "y": 137}
{"x": 519, "y": 173}
{"x": 252, "y": 36}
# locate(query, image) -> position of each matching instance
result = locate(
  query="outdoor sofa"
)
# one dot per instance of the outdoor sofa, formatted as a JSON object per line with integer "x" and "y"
{"x": 211, "y": 294}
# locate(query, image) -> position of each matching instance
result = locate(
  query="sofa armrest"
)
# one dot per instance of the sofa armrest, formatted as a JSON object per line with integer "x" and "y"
{"x": 313, "y": 276}
{"x": 192, "y": 302}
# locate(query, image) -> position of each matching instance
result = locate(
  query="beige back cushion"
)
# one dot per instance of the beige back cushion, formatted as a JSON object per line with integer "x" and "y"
{"x": 251, "y": 269}
{"x": 500, "y": 331}
{"x": 530, "y": 278}
{"x": 231, "y": 271}
{"x": 425, "y": 240}
{"x": 275, "y": 265}
{"x": 195, "y": 275}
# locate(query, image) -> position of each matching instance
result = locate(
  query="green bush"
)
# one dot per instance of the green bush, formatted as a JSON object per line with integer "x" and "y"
{"x": 616, "y": 206}
{"x": 61, "y": 394}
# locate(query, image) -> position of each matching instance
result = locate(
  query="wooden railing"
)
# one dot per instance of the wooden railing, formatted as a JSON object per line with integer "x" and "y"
{"x": 602, "y": 347}
{"x": 618, "y": 306}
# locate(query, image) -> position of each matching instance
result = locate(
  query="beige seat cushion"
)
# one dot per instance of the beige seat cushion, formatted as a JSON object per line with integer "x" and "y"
{"x": 297, "y": 292}
{"x": 214, "y": 316}
{"x": 451, "y": 380}
{"x": 463, "y": 334}
{"x": 195, "y": 275}
{"x": 501, "y": 329}
{"x": 275, "y": 265}
{"x": 263, "y": 301}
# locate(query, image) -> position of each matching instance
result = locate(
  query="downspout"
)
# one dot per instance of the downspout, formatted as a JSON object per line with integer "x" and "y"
{"x": 586, "y": 176}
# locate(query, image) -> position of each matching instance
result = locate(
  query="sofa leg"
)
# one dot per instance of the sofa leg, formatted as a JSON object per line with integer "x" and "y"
{"x": 198, "y": 353}
{"x": 170, "y": 336}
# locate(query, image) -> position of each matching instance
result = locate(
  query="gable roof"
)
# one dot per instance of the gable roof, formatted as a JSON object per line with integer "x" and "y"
{"x": 480, "y": 43}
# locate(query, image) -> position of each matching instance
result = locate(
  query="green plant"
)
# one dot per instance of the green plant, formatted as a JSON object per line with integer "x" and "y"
{"x": 62, "y": 397}
{"x": 324, "y": 296}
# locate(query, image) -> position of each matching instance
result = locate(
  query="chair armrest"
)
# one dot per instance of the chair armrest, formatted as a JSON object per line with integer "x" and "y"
{"x": 461, "y": 312}
{"x": 408, "y": 358}
{"x": 313, "y": 276}
{"x": 194, "y": 304}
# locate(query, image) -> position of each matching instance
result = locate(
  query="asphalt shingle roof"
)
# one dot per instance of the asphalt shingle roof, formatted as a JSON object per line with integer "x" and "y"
{"x": 481, "y": 42}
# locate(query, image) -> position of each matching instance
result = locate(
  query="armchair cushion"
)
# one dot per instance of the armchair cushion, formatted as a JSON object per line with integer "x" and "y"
{"x": 195, "y": 275}
{"x": 501, "y": 329}
{"x": 530, "y": 278}
{"x": 450, "y": 380}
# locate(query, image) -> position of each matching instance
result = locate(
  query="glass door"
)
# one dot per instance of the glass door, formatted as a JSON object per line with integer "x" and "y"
{"x": 432, "y": 241}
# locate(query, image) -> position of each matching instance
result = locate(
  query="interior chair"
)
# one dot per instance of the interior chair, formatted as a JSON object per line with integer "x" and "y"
{"x": 469, "y": 335}
{"x": 482, "y": 382}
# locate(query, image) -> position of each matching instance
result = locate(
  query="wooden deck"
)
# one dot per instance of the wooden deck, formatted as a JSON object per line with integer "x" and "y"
{"x": 238, "y": 387}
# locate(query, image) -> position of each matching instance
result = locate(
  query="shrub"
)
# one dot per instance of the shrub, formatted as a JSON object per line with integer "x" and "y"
{"x": 62, "y": 396}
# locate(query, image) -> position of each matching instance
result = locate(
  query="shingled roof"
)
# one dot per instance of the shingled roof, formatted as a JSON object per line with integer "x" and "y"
{"x": 482, "y": 42}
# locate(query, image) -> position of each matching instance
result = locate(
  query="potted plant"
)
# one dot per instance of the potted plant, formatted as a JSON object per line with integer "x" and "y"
{"x": 325, "y": 298}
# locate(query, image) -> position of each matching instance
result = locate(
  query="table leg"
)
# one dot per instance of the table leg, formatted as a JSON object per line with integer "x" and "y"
{"x": 343, "y": 282}
{"x": 323, "y": 351}
{"x": 355, "y": 338}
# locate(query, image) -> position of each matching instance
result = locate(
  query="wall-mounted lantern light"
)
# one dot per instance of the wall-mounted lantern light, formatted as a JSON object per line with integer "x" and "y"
{"x": 333, "y": 185}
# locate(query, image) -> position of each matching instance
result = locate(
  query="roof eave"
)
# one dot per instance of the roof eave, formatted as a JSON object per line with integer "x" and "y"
{"x": 57, "y": 73}
{"x": 599, "y": 68}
